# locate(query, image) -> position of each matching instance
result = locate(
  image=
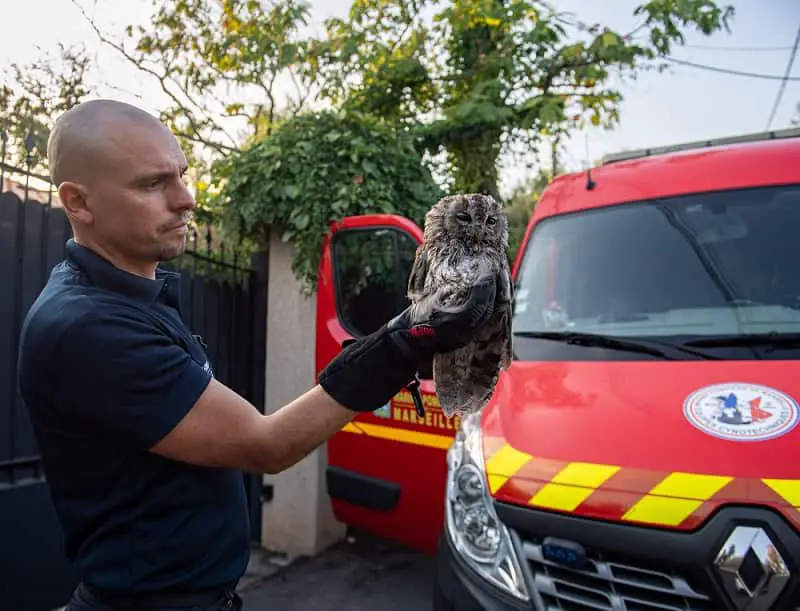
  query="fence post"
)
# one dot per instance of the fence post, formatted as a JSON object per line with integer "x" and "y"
{"x": 259, "y": 282}
{"x": 298, "y": 520}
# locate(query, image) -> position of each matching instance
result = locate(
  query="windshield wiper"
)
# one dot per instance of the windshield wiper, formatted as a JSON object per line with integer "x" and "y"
{"x": 663, "y": 350}
{"x": 771, "y": 339}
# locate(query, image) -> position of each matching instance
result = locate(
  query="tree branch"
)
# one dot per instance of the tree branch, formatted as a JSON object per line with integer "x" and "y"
{"x": 162, "y": 80}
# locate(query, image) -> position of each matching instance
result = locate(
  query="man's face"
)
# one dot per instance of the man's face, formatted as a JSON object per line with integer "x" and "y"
{"x": 138, "y": 201}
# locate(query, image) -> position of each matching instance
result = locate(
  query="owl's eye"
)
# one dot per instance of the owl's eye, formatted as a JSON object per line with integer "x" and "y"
{"x": 463, "y": 216}
{"x": 491, "y": 220}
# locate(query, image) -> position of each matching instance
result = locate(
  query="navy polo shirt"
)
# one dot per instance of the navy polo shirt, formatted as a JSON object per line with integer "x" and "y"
{"x": 107, "y": 368}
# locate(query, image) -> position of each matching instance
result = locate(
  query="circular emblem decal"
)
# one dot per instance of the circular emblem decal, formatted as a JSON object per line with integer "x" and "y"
{"x": 741, "y": 411}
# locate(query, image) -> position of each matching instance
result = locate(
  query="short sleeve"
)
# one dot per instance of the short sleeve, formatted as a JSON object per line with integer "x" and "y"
{"x": 122, "y": 376}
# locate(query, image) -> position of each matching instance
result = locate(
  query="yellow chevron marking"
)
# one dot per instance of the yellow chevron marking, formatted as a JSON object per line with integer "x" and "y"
{"x": 560, "y": 496}
{"x": 572, "y": 486}
{"x": 662, "y": 510}
{"x": 675, "y": 498}
{"x": 789, "y": 489}
{"x": 690, "y": 486}
{"x": 417, "y": 438}
{"x": 504, "y": 464}
{"x": 584, "y": 474}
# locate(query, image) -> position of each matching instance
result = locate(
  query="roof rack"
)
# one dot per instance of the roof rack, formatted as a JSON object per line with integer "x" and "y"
{"x": 700, "y": 144}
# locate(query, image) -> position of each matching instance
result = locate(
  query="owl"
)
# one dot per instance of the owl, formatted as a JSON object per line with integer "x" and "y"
{"x": 466, "y": 238}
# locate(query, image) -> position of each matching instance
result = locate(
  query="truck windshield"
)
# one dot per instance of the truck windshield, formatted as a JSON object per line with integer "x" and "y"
{"x": 722, "y": 266}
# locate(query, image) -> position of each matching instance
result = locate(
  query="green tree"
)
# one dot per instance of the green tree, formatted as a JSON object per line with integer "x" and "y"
{"x": 490, "y": 75}
{"x": 220, "y": 64}
{"x": 317, "y": 168}
{"x": 31, "y": 98}
{"x": 521, "y": 204}
{"x": 487, "y": 77}
{"x": 373, "y": 61}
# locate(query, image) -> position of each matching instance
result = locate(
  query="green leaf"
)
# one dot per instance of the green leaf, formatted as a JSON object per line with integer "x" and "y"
{"x": 288, "y": 54}
{"x": 261, "y": 192}
{"x": 609, "y": 39}
{"x": 369, "y": 167}
{"x": 301, "y": 221}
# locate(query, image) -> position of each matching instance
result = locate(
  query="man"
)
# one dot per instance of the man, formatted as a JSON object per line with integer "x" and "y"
{"x": 142, "y": 447}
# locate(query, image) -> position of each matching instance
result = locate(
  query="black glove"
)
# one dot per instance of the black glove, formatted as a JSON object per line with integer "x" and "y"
{"x": 373, "y": 369}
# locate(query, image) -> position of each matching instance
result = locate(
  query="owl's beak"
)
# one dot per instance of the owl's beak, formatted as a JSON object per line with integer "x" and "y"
{"x": 477, "y": 238}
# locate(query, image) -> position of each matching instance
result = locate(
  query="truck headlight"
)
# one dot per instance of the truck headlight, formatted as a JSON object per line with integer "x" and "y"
{"x": 472, "y": 524}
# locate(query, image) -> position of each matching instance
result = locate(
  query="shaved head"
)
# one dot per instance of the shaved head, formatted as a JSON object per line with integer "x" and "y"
{"x": 76, "y": 144}
{"x": 119, "y": 173}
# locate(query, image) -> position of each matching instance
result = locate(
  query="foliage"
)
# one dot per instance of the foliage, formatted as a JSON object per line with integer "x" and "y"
{"x": 485, "y": 78}
{"x": 519, "y": 209}
{"x": 220, "y": 63}
{"x": 491, "y": 74}
{"x": 32, "y": 97}
{"x": 317, "y": 168}
{"x": 382, "y": 45}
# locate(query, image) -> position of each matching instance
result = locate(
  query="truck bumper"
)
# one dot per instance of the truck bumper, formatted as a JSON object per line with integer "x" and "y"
{"x": 634, "y": 567}
{"x": 638, "y": 568}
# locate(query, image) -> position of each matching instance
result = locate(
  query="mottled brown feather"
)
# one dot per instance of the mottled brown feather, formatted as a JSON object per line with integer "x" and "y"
{"x": 456, "y": 252}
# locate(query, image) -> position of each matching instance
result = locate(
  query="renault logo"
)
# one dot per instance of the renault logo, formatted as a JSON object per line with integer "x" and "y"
{"x": 752, "y": 570}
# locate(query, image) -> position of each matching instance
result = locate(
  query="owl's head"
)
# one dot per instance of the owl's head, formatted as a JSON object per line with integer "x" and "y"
{"x": 474, "y": 220}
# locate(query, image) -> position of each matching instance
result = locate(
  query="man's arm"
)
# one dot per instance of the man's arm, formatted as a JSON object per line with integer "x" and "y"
{"x": 121, "y": 378}
{"x": 224, "y": 430}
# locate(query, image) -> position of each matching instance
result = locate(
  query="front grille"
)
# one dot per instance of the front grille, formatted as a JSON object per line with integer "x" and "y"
{"x": 608, "y": 584}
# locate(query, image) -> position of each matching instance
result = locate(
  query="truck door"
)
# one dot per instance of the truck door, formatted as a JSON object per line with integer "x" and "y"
{"x": 386, "y": 470}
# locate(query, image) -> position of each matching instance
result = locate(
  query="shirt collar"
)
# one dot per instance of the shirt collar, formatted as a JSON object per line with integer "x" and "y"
{"x": 106, "y": 275}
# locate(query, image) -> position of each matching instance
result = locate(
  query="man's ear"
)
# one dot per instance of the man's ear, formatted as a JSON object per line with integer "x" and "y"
{"x": 73, "y": 199}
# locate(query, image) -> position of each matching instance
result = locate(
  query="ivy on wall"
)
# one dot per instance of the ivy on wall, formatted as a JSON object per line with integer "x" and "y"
{"x": 314, "y": 169}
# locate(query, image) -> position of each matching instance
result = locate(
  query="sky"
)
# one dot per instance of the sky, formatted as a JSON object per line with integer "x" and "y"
{"x": 680, "y": 105}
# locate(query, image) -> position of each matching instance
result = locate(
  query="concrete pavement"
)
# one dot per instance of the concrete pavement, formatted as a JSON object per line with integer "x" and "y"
{"x": 360, "y": 574}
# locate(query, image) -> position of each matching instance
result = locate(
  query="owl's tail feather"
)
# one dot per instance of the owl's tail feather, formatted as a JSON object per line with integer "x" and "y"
{"x": 452, "y": 401}
{"x": 464, "y": 385}
{"x": 447, "y": 377}
{"x": 463, "y": 399}
{"x": 472, "y": 406}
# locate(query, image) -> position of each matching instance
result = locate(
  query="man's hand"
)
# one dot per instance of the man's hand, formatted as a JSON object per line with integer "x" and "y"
{"x": 426, "y": 328}
{"x": 369, "y": 372}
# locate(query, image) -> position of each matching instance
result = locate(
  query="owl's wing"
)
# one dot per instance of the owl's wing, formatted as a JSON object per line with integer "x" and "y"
{"x": 419, "y": 270}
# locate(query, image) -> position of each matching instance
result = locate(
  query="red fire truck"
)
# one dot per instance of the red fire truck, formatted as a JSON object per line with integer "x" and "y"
{"x": 642, "y": 450}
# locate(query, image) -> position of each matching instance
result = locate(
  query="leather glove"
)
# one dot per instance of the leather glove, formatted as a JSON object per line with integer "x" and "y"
{"x": 374, "y": 368}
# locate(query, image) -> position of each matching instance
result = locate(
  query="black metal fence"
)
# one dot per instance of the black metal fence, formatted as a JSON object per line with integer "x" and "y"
{"x": 224, "y": 301}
